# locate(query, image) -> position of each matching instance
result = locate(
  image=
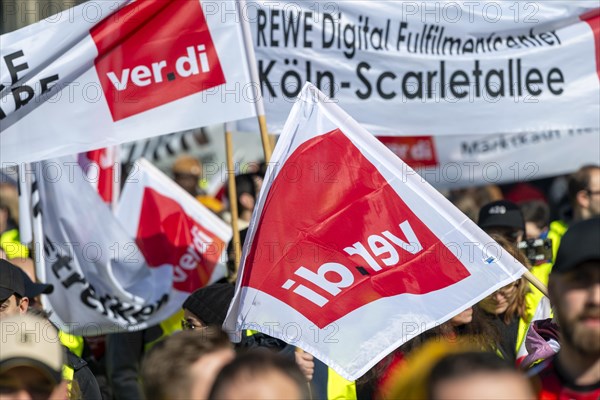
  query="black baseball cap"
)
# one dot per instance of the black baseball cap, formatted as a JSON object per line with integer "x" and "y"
{"x": 580, "y": 243}
{"x": 33, "y": 289}
{"x": 11, "y": 280}
{"x": 501, "y": 213}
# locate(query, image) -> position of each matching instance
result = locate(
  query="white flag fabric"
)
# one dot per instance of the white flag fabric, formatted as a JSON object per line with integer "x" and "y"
{"x": 420, "y": 68}
{"x": 104, "y": 270}
{"x": 455, "y": 161}
{"x": 108, "y": 72}
{"x": 349, "y": 253}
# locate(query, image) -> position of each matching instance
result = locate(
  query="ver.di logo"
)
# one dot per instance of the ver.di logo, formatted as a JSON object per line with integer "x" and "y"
{"x": 152, "y": 53}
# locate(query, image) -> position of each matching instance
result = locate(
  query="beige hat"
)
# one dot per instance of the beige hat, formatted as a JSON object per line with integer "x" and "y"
{"x": 187, "y": 164}
{"x": 30, "y": 341}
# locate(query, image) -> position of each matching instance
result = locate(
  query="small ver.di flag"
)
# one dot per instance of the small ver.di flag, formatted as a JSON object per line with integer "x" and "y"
{"x": 350, "y": 253}
{"x": 126, "y": 271}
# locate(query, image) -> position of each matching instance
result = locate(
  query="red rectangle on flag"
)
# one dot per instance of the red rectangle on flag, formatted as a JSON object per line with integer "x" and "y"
{"x": 154, "y": 52}
{"x": 167, "y": 235}
{"x": 334, "y": 236}
{"x": 416, "y": 151}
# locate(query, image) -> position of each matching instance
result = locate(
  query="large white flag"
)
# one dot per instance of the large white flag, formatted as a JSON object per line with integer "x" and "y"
{"x": 434, "y": 68}
{"x": 108, "y": 72}
{"x": 126, "y": 273}
{"x": 349, "y": 253}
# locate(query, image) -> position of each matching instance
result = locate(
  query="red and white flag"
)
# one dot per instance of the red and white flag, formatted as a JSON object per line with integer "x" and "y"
{"x": 350, "y": 253}
{"x": 173, "y": 230}
{"x": 108, "y": 72}
{"x": 124, "y": 272}
{"x": 101, "y": 168}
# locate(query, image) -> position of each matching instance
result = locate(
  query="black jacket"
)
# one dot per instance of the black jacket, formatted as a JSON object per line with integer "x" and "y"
{"x": 83, "y": 376}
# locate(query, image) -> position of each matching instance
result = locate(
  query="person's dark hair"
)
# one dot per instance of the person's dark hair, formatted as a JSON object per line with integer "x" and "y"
{"x": 480, "y": 330}
{"x": 231, "y": 252}
{"x": 536, "y": 211}
{"x": 579, "y": 181}
{"x": 461, "y": 365}
{"x": 165, "y": 369}
{"x": 245, "y": 183}
{"x": 254, "y": 363}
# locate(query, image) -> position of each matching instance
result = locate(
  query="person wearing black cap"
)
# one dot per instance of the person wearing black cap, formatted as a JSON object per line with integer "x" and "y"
{"x": 15, "y": 284}
{"x": 503, "y": 218}
{"x": 207, "y": 306}
{"x": 574, "y": 290}
{"x": 12, "y": 290}
{"x": 33, "y": 290}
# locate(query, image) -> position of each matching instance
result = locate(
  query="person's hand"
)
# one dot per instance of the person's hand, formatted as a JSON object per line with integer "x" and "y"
{"x": 306, "y": 363}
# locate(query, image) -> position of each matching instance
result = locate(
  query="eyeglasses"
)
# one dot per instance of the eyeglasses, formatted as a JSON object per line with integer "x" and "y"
{"x": 592, "y": 192}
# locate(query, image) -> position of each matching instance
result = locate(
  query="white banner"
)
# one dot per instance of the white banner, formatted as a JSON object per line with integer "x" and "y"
{"x": 349, "y": 254}
{"x": 450, "y": 161}
{"x": 434, "y": 68}
{"x": 108, "y": 273}
{"x": 108, "y": 72}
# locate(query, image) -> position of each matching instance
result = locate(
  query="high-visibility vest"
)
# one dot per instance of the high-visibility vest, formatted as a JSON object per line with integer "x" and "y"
{"x": 532, "y": 299}
{"x": 328, "y": 384}
{"x": 164, "y": 329}
{"x": 72, "y": 342}
{"x": 556, "y": 231}
{"x": 338, "y": 387}
{"x": 12, "y": 246}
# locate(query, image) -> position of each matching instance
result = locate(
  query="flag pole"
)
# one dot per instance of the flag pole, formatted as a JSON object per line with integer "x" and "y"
{"x": 539, "y": 285}
{"x": 254, "y": 78}
{"x": 25, "y": 217}
{"x": 233, "y": 206}
{"x": 116, "y": 176}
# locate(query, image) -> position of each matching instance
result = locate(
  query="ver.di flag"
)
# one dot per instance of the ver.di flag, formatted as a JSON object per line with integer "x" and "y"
{"x": 173, "y": 230}
{"x": 349, "y": 253}
{"x": 81, "y": 80}
{"x": 126, "y": 272}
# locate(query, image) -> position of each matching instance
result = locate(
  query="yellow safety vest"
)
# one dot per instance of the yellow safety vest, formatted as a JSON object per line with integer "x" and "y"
{"x": 168, "y": 327}
{"x": 12, "y": 246}
{"x": 556, "y": 231}
{"x": 532, "y": 299}
{"x": 339, "y": 388}
{"x": 72, "y": 342}
{"x": 68, "y": 374}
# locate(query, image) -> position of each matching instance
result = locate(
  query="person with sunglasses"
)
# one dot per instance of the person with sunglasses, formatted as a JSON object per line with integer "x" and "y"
{"x": 507, "y": 308}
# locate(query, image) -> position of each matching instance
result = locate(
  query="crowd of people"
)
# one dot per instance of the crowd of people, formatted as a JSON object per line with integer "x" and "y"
{"x": 513, "y": 344}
